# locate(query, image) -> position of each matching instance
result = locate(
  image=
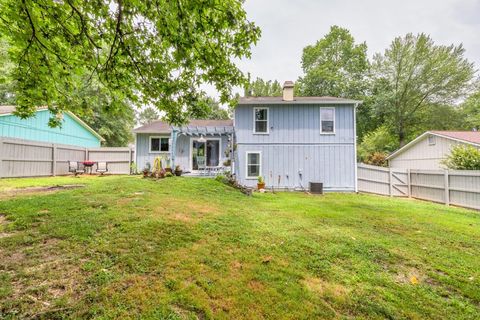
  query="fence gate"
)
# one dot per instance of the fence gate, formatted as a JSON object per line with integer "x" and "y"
{"x": 386, "y": 181}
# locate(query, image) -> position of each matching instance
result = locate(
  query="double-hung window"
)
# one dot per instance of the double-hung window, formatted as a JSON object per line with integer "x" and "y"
{"x": 159, "y": 144}
{"x": 254, "y": 165}
{"x": 327, "y": 120}
{"x": 260, "y": 120}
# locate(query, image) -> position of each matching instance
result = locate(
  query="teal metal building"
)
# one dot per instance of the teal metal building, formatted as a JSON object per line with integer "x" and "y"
{"x": 72, "y": 132}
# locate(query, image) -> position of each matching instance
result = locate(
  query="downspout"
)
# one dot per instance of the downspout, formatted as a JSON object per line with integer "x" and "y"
{"x": 174, "y": 147}
{"x": 355, "y": 144}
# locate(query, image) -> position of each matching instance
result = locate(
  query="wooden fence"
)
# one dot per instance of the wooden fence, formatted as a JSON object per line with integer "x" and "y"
{"x": 23, "y": 158}
{"x": 460, "y": 188}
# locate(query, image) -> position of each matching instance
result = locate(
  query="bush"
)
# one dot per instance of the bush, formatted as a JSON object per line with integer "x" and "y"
{"x": 463, "y": 157}
{"x": 376, "y": 159}
{"x": 375, "y": 143}
{"x": 169, "y": 175}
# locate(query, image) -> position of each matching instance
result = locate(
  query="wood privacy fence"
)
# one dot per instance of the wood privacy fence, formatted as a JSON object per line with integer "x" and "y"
{"x": 460, "y": 188}
{"x": 23, "y": 158}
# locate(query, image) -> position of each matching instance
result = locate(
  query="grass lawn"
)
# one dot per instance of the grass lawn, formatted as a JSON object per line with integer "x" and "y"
{"x": 124, "y": 247}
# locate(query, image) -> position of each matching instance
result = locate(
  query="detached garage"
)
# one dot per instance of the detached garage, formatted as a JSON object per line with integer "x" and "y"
{"x": 429, "y": 149}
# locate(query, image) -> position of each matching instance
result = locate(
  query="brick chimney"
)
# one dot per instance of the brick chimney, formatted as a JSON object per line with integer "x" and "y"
{"x": 288, "y": 91}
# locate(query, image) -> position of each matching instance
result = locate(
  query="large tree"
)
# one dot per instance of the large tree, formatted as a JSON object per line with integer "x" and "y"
{"x": 149, "y": 52}
{"x": 470, "y": 109}
{"x": 147, "y": 115}
{"x": 415, "y": 75}
{"x": 262, "y": 88}
{"x": 338, "y": 66}
{"x": 208, "y": 108}
{"x": 334, "y": 66}
{"x": 7, "y": 84}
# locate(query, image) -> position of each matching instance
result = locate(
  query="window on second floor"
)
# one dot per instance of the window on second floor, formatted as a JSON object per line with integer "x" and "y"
{"x": 159, "y": 144}
{"x": 327, "y": 120}
{"x": 260, "y": 120}
{"x": 431, "y": 140}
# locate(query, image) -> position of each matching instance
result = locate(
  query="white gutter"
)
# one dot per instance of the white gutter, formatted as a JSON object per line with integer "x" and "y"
{"x": 355, "y": 144}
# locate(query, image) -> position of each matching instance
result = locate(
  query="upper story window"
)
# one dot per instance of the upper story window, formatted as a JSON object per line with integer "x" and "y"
{"x": 327, "y": 120}
{"x": 260, "y": 120}
{"x": 431, "y": 140}
{"x": 159, "y": 144}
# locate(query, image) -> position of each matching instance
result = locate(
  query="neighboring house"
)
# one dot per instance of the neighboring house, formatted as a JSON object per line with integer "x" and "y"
{"x": 288, "y": 140}
{"x": 428, "y": 150}
{"x": 72, "y": 132}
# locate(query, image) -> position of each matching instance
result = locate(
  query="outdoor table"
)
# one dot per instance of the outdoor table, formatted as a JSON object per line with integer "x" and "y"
{"x": 88, "y": 166}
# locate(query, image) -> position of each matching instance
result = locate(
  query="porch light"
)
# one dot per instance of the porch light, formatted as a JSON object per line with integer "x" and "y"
{"x": 202, "y": 139}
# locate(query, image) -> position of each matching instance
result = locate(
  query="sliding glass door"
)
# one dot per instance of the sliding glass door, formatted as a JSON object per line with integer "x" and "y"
{"x": 205, "y": 154}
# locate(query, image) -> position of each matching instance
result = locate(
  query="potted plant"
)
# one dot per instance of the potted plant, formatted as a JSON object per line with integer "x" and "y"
{"x": 146, "y": 170}
{"x": 178, "y": 171}
{"x": 260, "y": 183}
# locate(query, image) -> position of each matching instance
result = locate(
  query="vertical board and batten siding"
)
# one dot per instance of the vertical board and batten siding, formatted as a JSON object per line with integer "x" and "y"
{"x": 23, "y": 158}
{"x": 424, "y": 156}
{"x": 182, "y": 158}
{"x": 294, "y": 145}
{"x": 36, "y": 129}
{"x": 455, "y": 187}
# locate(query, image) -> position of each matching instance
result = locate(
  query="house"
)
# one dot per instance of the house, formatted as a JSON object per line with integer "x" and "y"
{"x": 290, "y": 141}
{"x": 185, "y": 144}
{"x": 72, "y": 132}
{"x": 429, "y": 149}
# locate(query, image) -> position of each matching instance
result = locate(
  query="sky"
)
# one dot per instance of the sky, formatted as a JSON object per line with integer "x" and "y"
{"x": 290, "y": 25}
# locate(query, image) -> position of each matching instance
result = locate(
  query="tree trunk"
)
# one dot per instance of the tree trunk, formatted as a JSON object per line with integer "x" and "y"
{"x": 401, "y": 137}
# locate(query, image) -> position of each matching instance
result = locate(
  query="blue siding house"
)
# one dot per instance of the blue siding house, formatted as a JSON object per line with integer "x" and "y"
{"x": 73, "y": 131}
{"x": 290, "y": 141}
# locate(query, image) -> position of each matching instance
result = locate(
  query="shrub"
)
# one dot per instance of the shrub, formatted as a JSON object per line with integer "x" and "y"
{"x": 169, "y": 175}
{"x": 380, "y": 141}
{"x": 376, "y": 159}
{"x": 463, "y": 157}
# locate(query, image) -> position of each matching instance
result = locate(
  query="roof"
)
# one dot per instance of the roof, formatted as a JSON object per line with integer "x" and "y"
{"x": 469, "y": 137}
{"x": 7, "y": 110}
{"x": 160, "y": 126}
{"x": 297, "y": 100}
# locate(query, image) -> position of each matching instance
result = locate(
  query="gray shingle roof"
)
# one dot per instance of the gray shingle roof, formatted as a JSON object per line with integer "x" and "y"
{"x": 297, "y": 100}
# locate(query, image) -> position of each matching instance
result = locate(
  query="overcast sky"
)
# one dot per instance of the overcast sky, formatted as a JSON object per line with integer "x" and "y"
{"x": 290, "y": 25}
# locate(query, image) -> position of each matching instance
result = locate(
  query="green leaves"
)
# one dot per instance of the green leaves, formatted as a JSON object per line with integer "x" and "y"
{"x": 463, "y": 157}
{"x": 415, "y": 74}
{"x": 335, "y": 66}
{"x": 261, "y": 88}
{"x": 159, "y": 53}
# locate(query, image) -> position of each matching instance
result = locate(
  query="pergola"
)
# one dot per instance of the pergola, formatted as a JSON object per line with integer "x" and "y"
{"x": 199, "y": 131}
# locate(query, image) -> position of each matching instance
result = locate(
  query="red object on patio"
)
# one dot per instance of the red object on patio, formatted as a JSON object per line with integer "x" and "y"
{"x": 88, "y": 165}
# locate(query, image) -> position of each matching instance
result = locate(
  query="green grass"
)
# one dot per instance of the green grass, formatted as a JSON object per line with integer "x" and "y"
{"x": 178, "y": 248}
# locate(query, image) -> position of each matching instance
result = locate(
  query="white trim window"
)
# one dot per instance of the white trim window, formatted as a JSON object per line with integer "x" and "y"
{"x": 432, "y": 140}
{"x": 260, "y": 120}
{"x": 159, "y": 144}
{"x": 253, "y": 164}
{"x": 327, "y": 120}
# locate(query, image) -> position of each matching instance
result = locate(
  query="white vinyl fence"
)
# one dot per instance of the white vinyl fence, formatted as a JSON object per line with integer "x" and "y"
{"x": 23, "y": 158}
{"x": 460, "y": 188}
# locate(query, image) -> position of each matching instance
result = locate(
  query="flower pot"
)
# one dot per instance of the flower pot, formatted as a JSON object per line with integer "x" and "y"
{"x": 178, "y": 173}
{"x": 168, "y": 170}
{"x": 145, "y": 174}
{"x": 261, "y": 185}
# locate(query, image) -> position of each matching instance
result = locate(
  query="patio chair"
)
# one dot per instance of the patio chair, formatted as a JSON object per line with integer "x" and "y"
{"x": 201, "y": 164}
{"x": 102, "y": 167}
{"x": 75, "y": 167}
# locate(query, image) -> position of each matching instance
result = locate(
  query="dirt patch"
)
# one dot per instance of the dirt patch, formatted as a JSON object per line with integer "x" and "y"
{"x": 325, "y": 288}
{"x": 411, "y": 276}
{"x": 34, "y": 190}
{"x": 256, "y": 285}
